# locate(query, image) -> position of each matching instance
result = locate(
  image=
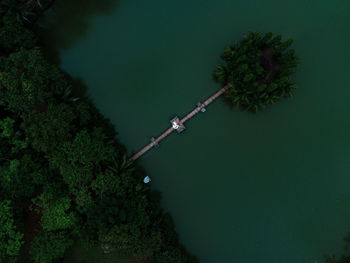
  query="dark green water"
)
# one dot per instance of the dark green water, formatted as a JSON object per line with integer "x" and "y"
{"x": 271, "y": 187}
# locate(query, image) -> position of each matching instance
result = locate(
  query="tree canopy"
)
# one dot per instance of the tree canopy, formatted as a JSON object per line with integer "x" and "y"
{"x": 259, "y": 68}
{"x": 64, "y": 176}
{"x": 11, "y": 239}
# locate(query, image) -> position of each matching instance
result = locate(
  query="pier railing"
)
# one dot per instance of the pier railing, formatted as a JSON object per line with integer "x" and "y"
{"x": 179, "y": 124}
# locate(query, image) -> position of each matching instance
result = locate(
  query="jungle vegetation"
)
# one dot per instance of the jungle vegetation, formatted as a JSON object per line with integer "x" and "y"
{"x": 63, "y": 174}
{"x": 345, "y": 258}
{"x": 259, "y": 68}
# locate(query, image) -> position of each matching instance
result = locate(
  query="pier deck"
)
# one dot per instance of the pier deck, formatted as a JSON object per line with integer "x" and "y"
{"x": 178, "y": 125}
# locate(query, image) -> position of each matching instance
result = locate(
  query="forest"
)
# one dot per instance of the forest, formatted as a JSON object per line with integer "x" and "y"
{"x": 64, "y": 175}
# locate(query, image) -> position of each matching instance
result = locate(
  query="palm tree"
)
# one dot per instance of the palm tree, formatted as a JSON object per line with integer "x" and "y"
{"x": 63, "y": 93}
{"x": 123, "y": 166}
{"x": 20, "y": 8}
{"x": 25, "y": 9}
{"x": 259, "y": 68}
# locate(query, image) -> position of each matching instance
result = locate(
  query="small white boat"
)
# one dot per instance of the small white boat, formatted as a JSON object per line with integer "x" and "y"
{"x": 146, "y": 180}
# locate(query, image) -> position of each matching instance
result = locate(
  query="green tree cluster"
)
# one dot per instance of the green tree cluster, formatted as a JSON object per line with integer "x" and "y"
{"x": 259, "y": 68}
{"x": 345, "y": 258}
{"x": 63, "y": 175}
{"x": 10, "y": 238}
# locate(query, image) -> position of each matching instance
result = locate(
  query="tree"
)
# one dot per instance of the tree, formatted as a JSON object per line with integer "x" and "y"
{"x": 27, "y": 81}
{"x": 16, "y": 178}
{"x": 259, "y": 69}
{"x": 13, "y": 135}
{"x": 49, "y": 246}
{"x": 25, "y": 10}
{"x": 106, "y": 183}
{"x": 47, "y": 130}
{"x": 80, "y": 159}
{"x": 13, "y": 35}
{"x": 333, "y": 259}
{"x": 10, "y": 239}
{"x": 55, "y": 213}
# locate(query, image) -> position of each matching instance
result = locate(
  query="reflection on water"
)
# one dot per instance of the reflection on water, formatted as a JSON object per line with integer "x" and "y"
{"x": 69, "y": 21}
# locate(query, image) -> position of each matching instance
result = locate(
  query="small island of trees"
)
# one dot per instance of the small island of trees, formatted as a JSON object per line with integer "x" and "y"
{"x": 259, "y": 68}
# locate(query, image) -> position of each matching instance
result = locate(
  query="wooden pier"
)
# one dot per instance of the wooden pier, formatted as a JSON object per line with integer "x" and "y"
{"x": 178, "y": 125}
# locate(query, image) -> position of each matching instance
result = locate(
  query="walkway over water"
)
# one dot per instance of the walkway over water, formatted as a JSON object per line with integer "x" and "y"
{"x": 178, "y": 125}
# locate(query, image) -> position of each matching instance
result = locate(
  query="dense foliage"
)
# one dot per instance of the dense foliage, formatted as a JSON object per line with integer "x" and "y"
{"x": 63, "y": 175}
{"x": 259, "y": 68}
{"x": 10, "y": 238}
{"x": 345, "y": 258}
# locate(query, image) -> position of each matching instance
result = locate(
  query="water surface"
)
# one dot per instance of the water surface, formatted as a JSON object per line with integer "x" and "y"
{"x": 242, "y": 187}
